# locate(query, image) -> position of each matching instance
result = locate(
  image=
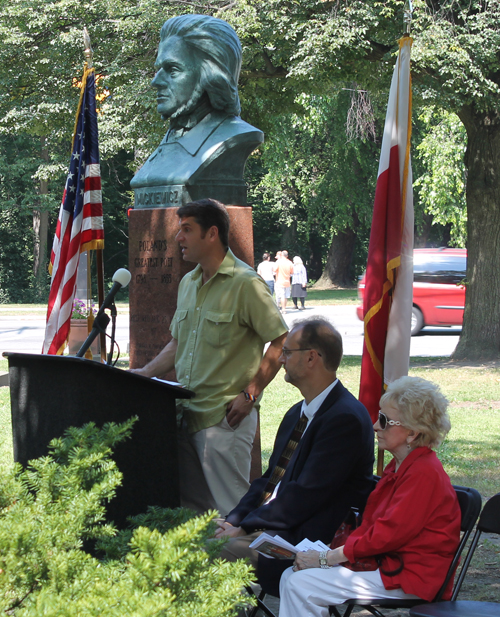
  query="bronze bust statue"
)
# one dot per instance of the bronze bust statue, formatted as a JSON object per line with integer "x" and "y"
{"x": 207, "y": 144}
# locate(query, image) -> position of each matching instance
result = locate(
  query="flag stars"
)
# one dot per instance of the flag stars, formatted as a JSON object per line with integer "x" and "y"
{"x": 76, "y": 155}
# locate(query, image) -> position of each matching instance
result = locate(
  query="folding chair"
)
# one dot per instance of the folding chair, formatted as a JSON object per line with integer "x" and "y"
{"x": 489, "y": 522}
{"x": 260, "y": 604}
{"x": 470, "y": 506}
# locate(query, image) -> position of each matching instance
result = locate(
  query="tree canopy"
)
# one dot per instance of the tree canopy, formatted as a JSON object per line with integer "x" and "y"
{"x": 293, "y": 52}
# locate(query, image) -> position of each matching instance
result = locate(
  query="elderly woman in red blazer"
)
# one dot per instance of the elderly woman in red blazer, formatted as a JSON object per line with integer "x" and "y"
{"x": 411, "y": 523}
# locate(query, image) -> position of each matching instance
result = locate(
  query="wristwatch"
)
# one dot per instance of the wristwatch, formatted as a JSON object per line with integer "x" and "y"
{"x": 323, "y": 562}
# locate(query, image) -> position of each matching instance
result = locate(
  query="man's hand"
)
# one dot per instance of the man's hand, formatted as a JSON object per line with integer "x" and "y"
{"x": 226, "y": 530}
{"x": 139, "y": 371}
{"x": 238, "y": 409}
{"x": 163, "y": 363}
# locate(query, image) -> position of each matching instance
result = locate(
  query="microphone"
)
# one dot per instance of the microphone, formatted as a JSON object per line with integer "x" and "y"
{"x": 121, "y": 278}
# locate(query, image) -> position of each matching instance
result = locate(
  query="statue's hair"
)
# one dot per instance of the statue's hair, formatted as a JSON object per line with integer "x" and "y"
{"x": 220, "y": 51}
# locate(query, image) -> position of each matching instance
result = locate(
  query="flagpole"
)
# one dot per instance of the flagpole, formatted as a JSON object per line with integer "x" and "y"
{"x": 89, "y": 57}
{"x": 407, "y": 17}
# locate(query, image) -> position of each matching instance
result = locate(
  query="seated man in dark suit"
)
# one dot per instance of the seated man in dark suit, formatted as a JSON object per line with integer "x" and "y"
{"x": 311, "y": 484}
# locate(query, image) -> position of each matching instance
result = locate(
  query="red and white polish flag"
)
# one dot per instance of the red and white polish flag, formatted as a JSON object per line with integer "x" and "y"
{"x": 389, "y": 273}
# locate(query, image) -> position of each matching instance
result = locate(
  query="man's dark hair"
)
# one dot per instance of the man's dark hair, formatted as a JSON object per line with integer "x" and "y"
{"x": 319, "y": 334}
{"x": 208, "y": 213}
{"x": 266, "y": 256}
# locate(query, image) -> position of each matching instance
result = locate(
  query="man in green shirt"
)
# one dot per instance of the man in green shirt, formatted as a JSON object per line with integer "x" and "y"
{"x": 225, "y": 315}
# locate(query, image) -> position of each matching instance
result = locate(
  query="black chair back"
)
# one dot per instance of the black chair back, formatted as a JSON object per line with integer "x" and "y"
{"x": 470, "y": 506}
{"x": 470, "y": 503}
{"x": 489, "y": 522}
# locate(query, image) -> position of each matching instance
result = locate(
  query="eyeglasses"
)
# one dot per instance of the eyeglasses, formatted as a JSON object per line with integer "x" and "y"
{"x": 383, "y": 420}
{"x": 288, "y": 352}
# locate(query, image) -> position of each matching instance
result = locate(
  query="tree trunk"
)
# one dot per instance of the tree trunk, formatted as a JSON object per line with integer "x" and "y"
{"x": 315, "y": 256}
{"x": 41, "y": 229}
{"x": 480, "y": 339}
{"x": 338, "y": 263}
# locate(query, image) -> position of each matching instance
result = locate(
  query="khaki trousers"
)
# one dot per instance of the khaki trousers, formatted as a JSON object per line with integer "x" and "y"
{"x": 214, "y": 465}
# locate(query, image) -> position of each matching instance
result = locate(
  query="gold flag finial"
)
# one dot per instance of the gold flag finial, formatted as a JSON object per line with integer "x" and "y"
{"x": 88, "y": 52}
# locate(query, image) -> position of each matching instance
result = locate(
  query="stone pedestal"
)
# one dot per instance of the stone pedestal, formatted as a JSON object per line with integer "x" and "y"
{"x": 157, "y": 267}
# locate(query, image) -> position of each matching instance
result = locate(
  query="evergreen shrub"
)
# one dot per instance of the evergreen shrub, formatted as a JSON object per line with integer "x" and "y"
{"x": 53, "y": 511}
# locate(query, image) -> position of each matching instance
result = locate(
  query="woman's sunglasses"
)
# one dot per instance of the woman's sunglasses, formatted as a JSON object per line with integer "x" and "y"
{"x": 383, "y": 420}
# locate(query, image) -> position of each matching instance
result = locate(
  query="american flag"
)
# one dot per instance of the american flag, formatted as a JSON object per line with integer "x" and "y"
{"x": 79, "y": 227}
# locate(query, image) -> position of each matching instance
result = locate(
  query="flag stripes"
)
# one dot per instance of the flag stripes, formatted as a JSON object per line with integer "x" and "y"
{"x": 80, "y": 223}
{"x": 389, "y": 274}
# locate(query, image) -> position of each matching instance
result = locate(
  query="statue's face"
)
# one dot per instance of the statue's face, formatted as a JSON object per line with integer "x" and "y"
{"x": 177, "y": 75}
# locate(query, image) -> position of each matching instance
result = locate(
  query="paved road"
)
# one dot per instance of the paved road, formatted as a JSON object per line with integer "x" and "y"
{"x": 24, "y": 333}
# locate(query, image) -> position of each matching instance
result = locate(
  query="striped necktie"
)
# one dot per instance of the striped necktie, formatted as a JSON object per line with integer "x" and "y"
{"x": 284, "y": 459}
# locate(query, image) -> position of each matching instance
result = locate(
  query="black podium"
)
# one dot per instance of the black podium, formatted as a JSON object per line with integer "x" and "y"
{"x": 51, "y": 393}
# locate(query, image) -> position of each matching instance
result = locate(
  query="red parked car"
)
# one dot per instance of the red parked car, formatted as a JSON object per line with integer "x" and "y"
{"x": 438, "y": 290}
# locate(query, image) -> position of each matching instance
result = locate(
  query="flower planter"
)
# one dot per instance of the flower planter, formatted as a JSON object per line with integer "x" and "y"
{"x": 77, "y": 336}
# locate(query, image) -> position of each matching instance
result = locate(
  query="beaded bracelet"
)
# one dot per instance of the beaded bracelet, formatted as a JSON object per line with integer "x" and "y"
{"x": 249, "y": 397}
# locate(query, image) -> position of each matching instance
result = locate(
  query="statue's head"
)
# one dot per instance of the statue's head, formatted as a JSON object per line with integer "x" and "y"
{"x": 197, "y": 54}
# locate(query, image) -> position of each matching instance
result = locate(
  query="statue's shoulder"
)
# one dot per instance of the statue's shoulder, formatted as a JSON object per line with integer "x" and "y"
{"x": 227, "y": 127}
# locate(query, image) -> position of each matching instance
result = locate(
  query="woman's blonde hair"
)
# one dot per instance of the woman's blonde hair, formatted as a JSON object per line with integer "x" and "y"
{"x": 423, "y": 409}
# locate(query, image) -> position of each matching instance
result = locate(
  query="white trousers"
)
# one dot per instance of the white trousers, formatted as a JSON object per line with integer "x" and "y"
{"x": 214, "y": 465}
{"x": 309, "y": 593}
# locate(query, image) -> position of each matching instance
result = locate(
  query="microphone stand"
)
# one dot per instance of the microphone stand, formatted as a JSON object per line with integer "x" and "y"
{"x": 121, "y": 278}
{"x": 100, "y": 324}
{"x": 113, "y": 331}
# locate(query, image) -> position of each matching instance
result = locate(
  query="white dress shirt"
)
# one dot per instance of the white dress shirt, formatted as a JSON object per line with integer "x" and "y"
{"x": 309, "y": 411}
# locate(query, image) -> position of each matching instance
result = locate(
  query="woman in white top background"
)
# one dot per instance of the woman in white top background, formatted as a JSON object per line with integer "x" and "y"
{"x": 299, "y": 283}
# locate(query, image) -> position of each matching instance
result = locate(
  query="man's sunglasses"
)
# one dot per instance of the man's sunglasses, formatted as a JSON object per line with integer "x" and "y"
{"x": 383, "y": 420}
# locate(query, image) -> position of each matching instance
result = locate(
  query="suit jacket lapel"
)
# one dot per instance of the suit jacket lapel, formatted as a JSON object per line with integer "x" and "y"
{"x": 329, "y": 401}
{"x": 288, "y": 424}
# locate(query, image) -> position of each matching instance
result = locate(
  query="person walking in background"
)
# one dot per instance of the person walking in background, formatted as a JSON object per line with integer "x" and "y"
{"x": 284, "y": 269}
{"x": 279, "y": 255}
{"x": 299, "y": 282}
{"x": 266, "y": 270}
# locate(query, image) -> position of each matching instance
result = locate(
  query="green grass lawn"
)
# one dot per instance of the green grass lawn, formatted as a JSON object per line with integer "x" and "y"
{"x": 9, "y": 310}
{"x": 314, "y": 298}
{"x": 332, "y": 297}
{"x": 470, "y": 453}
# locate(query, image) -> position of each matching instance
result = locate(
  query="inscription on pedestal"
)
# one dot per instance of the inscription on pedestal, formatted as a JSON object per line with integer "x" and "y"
{"x": 157, "y": 267}
{"x": 160, "y": 196}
